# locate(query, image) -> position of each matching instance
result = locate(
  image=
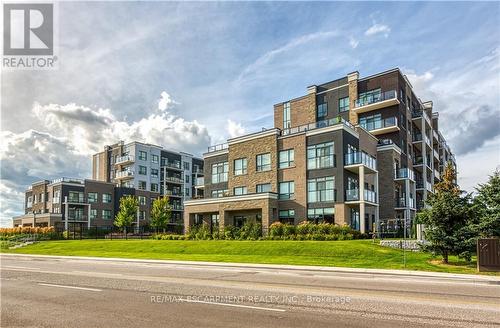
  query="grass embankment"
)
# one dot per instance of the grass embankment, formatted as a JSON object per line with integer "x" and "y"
{"x": 353, "y": 253}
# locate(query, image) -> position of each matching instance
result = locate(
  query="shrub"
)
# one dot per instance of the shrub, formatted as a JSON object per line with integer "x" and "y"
{"x": 230, "y": 232}
{"x": 276, "y": 229}
{"x": 250, "y": 231}
{"x": 289, "y": 230}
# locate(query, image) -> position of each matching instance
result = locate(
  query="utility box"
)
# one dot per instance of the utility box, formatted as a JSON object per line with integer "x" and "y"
{"x": 488, "y": 254}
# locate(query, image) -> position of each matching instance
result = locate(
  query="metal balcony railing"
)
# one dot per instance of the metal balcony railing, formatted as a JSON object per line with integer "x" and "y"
{"x": 375, "y": 98}
{"x": 404, "y": 173}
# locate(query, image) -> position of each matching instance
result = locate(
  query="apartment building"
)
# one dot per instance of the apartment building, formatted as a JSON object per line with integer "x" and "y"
{"x": 147, "y": 167}
{"x": 65, "y": 203}
{"x": 359, "y": 151}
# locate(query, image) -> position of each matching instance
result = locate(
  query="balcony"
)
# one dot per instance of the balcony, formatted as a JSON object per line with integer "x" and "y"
{"x": 199, "y": 182}
{"x": 175, "y": 193}
{"x": 376, "y": 101}
{"x": 176, "y": 207}
{"x": 360, "y": 158}
{"x": 402, "y": 202}
{"x": 77, "y": 200}
{"x": 417, "y": 137}
{"x": 174, "y": 180}
{"x": 417, "y": 114}
{"x": 173, "y": 165}
{"x": 404, "y": 173}
{"x": 381, "y": 126}
{"x": 125, "y": 159}
{"x": 428, "y": 186}
{"x": 436, "y": 174}
{"x": 436, "y": 154}
{"x": 352, "y": 195}
{"x": 218, "y": 147}
{"x": 316, "y": 125}
{"x": 68, "y": 180}
{"x": 370, "y": 196}
{"x": 121, "y": 175}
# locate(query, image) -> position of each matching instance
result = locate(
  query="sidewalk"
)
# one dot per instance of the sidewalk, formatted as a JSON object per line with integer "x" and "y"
{"x": 471, "y": 278}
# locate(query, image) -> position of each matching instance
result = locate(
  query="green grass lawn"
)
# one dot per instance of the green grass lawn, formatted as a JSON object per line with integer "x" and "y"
{"x": 353, "y": 253}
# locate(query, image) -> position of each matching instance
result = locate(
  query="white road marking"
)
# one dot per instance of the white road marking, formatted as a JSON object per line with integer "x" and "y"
{"x": 72, "y": 287}
{"x": 18, "y": 267}
{"x": 237, "y": 305}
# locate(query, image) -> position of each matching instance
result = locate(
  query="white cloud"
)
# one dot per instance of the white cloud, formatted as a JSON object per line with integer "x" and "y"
{"x": 165, "y": 102}
{"x": 234, "y": 129}
{"x": 353, "y": 42}
{"x": 378, "y": 29}
{"x": 75, "y": 132}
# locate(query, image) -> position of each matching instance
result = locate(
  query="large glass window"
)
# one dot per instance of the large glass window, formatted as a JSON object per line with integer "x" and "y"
{"x": 369, "y": 97}
{"x": 142, "y": 185}
{"x": 240, "y": 166}
{"x": 322, "y": 111}
{"x": 371, "y": 122}
{"x": 287, "y": 216}
{"x": 106, "y": 214}
{"x": 143, "y": 156}
{"x": 265, "y": 187}
{"x": 219, "y": 193}
{"x": 142, "y": 200}
{"x": 106, "y": 198}
{"x": 321, "y": 215}
{"x": 219, "y": 172}
{"x": 154, "y": 187}
{"x": 287, "y": 190}
{"x": 154, "y": 159}
{"x": 93, "y": 213}
{"x": 240, "y": 191}
{"x": 344, "y": 104}
{"x": 321, "y": 190}
{"x": 154, "y": 173}
{"x": 263, "y": 162}
{"x": 286, "y": 158}
{"x": 320, "y": 156}
{"x": 143, "y": 170}
{"x": 287, "y": 121}
{"x": 92, "y": 197}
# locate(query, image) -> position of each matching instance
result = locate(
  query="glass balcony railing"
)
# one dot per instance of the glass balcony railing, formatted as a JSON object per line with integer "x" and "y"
{"x": 174, "y": 180}
{"x": 402, "y": 202}
{"x": 404, "y": 173}
{"x": 418, "y": 160}
{"x": 370, "y": 196}
{"x": 375, "y": 98}
{"x": 360, "y": 158}
{"x": 123, "y": 159}
{"x": 198, "y": 182}
{"x": 417, "y": 137}
{"x": 352, "y": 194}
{"x": 124, "y": 174}
{"x": 379, "y": 124}
{"x": 316, "y": 125}
{"x": 218, "y": 147}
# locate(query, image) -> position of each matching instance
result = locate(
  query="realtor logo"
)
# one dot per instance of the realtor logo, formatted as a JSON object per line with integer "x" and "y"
{"x": 28, "y": 36}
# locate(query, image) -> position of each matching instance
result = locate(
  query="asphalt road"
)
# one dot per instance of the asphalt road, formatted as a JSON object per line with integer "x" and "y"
{"x": 55, "y": 292}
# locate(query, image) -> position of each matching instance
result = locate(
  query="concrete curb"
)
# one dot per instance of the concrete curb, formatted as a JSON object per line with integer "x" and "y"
{"x": 400, "y": 273}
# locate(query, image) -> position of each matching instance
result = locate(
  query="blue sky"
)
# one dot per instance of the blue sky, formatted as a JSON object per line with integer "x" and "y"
{"x": 222, "y": 66}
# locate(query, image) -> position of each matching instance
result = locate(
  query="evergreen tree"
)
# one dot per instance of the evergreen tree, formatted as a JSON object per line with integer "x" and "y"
{"x": 487, "y": 207}
{"x": 129, "y": 205}
{"x": 447, "y": 219}
{"x": 161, "y": 213}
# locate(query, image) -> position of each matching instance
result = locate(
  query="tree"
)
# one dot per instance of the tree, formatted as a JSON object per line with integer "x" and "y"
{"x": 487, "y": 207}
{"x": 447, "y": 220}
{"x": 129, "y": 205}
{"x": 161, "y": 213}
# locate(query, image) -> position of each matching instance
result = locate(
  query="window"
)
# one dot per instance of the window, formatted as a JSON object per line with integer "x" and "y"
{"x": 369, "y": 97}
{"x": 265, "y": 187}
{"x": 92, "y": 197}
{"x": 154, "y": 187}
{"x": 219, "y": 172}
{"x": 263, "y": 162}
{"x": 214, "y": 218}
{"x": 143, "y": 170}
{"x": 56, "y": 198}
{"x": 142, "y": 185}
{"x": 186, "y": 190}
{"x": 240, "y": 166}
{"x": 322, "y": 111}
{"x": 154, "y": 173}
{"x": 142, "y": 200}
{"x": 93, "y": 213}
{"x": 287, "y": 216}
{"x": 287, "y": 122}
{"x": 219, "y": 193}
{"x": 106, "y": 198}
{"x": 286, "y": 158}
{"x": 240, "y": 191}
{"x": 106, "y": 214}
{"x": 73, "y": 197}
{"x": 371, "y": 122}
{"x": 343, "y": 104}
{"x": 321, "y": 190}
{"x": 155, "y": 159}
{"x": 186, "y": 165}
{"x": 320, "y": 156}
{"x": 286, "y": 190}
{"x": 143, "y": 156}
{"x": 321, "y": 215}
{"x": 239, "y": 221}
{"x": 142, "y": 215}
